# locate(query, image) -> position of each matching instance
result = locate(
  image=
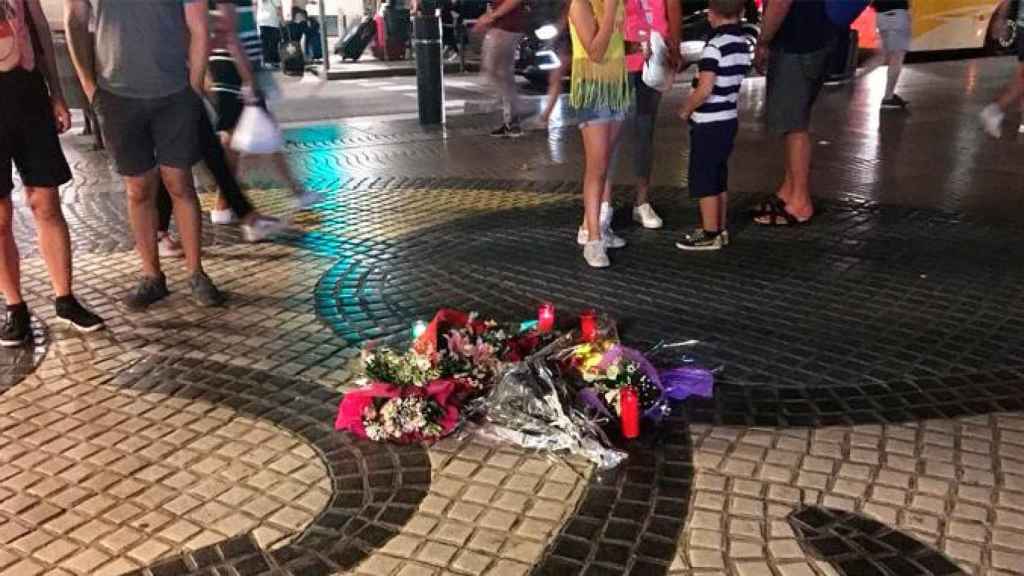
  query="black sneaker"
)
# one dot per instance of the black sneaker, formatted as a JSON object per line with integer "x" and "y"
{"x": 148, "y": 292}
{"x": 894, "y": 102}
{"x": 701, "y": 240}
{"x": 501, "y": 131}
{"x": 514, "y": 131}
{"x": 204, "y": 293}
{"x": 17, "y": 326}
{"x": 72, "y": 312}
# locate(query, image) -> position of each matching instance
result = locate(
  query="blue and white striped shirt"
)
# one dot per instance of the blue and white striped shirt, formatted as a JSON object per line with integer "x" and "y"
{"x": 727, "y": 54}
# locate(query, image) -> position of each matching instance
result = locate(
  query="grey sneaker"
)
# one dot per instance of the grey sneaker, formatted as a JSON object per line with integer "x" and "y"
{"x": 149, "y": 291}
{"x": 700, "y": 241}
{"x": 204, "y": 293}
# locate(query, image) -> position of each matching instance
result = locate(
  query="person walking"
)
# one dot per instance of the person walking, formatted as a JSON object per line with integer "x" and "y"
{"x": 143, "y": 75}
{"x": 504, "y": 24}
{"x": 893, "y": 23}
{"x": 992, "y": 116}
{"x": 796, "y": 41}
{"x": 644, "y": 18}
{"x": 270, "y": 17}
{"x": 238, "y": 80}
{"x": 32, "y": 114}
{"x": 712, "y": 113}
{"x": 600, "y": 94}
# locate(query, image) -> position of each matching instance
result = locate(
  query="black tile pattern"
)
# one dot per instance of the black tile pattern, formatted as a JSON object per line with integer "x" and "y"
{"x": 377, "y": 486}
{"x": 17, "y": 363}
{"x": 859, "y": 546}
{"x": 870, "y": 316}
{"x": 630, "y": 519}
{"x": 867, "y": 295}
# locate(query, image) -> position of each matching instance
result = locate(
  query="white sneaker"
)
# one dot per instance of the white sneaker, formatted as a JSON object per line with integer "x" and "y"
{"x": 992, "y": 120}
{"x": 261, "y": 229}
{"x": 167, "y": 245}
{"x": 309, "y": 198}
{"x": 595, "y": 255}
{"x": 610, "y": 238}
{"x": 222, "y": 217}
{"x": 1020, "y": 129}
{"x": 646, "y": 216}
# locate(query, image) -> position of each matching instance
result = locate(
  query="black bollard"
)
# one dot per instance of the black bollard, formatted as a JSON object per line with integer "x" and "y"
{"x": 429, "y": 68}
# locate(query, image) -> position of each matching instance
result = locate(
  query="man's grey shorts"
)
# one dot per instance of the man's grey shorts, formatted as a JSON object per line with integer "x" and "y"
{"x": 794, "y": 81}
{"x": 142, "y": 133}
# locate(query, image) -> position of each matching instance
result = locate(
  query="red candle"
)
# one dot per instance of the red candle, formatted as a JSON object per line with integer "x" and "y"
{"x": 588, "y": 325}
{"x": 546, "y": 317}
{"x": 629, "y": 412}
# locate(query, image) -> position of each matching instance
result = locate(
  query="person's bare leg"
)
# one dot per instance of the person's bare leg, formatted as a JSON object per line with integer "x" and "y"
{"x": 614, "y": 141}
{"x": 10, "y": 260}
{"x": 186, "y": 214}
{"x": 595, "y": 145}
{"x": 895, "y": 61}
{"x": 143, "y": 217}
{"x": 798, "y": 155}
{"x": 284, "y": 171}
{"x": 54, "y": 240}
{"x": 710, "y": 217}
{"x": 1013, "y": 91}
{"x": 723, "y": 211}
{"x": 785, "y": 191}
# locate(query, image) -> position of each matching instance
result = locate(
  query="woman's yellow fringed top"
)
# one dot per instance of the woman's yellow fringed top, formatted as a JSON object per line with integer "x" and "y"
{"x": 605, "y": 83}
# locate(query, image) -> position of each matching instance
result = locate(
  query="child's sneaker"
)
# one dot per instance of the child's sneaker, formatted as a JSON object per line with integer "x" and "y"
{"x": 701, "y": 240}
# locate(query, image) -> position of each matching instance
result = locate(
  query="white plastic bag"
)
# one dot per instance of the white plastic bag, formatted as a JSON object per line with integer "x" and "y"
{"x": 658, "y": 73}
{"x": 256, "y": 132}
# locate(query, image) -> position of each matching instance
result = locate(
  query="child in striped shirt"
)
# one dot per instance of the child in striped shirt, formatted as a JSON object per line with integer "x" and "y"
{"x": 711, "y": 112}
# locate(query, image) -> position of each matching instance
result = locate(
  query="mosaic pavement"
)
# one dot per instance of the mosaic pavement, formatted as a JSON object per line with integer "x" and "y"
{"x": 869, "y": 418}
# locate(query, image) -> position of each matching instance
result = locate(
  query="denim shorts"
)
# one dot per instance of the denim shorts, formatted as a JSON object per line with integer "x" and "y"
{"x": 590, "y": 115}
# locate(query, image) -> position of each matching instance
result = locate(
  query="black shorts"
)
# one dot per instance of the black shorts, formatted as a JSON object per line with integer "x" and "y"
{"x": 710, "y": 147}
{"x": 28, "y": 134}
{"x": 141, "y": 133}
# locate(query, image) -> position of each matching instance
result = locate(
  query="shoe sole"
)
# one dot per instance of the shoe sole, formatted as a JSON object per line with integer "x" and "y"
{"x": 14, "y": 343}
{"x": 83, "y": 329}
{"x": 641, "y": 222}
{"x": 514, "y": 136}
{"x": 686, "y": 248}
{"x": 145, "y": 307}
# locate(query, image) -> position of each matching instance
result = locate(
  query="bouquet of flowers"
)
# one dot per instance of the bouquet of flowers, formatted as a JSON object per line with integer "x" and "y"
{"x": 422, "y": 393}
{"x": 382, "y": 411}
{"x": 604, "y": 368}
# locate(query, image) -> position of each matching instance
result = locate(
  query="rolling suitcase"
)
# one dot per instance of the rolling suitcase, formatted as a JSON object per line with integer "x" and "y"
{"x": 355, "y": 43}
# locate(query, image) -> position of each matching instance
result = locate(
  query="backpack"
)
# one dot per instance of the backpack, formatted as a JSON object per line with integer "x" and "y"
{"x": 842, "y": 13}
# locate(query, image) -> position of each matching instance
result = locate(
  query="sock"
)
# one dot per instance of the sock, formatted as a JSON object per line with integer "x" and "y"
{"x": 712, "y": 233}
{"x": 21, "y": 308}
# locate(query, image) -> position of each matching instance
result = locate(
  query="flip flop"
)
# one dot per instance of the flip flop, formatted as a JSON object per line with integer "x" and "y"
{"x": 774, "y": 209}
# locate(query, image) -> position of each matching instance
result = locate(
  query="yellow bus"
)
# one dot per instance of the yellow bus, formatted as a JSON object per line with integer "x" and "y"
{"x": 943, "y": 25}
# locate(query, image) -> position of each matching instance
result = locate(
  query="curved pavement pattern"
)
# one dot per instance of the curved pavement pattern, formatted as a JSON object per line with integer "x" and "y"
{"x": 872, "y": 368}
